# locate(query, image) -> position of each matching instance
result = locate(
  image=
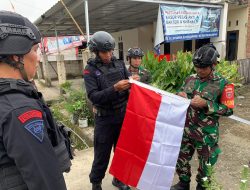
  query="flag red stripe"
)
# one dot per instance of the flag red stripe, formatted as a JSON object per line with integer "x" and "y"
{"x": 136, "y": 135}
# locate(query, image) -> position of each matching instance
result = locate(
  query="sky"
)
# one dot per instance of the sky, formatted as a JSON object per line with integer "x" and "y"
{"x": 32, "y": 9}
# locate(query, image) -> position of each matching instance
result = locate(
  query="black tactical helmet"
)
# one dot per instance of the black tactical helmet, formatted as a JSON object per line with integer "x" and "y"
{"x": 135, "y": 52}
{"x": 17, "y": 34}
{"x": 101, "y": 41}
{"x": 205, "y": 56}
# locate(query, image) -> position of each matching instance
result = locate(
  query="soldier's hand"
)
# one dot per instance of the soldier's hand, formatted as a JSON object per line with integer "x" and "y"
{"x": 122, "y": 85}
{"x": 135, "y": 77}
{"x": 182, "y": 94}
{"x": 198, "y": 102}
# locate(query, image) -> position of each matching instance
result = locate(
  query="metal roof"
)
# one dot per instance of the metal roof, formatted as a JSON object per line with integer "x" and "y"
{"x": 108, "y": 15}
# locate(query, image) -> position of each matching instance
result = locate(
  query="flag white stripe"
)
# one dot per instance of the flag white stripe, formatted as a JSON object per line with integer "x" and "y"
{"x": 159, "y": 169}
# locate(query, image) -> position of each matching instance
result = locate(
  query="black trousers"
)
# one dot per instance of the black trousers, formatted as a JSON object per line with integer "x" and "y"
{"x": 106, "y": 134}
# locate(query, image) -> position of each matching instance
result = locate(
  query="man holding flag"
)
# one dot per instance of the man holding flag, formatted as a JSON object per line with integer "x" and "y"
{"x": 107, "y": 86}
{"x": 201, "y": 131}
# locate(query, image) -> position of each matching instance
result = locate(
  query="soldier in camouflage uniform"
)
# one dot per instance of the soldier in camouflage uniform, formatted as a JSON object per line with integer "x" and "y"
{"x": 135, "y": 58}
{"x": 201, "y": 131}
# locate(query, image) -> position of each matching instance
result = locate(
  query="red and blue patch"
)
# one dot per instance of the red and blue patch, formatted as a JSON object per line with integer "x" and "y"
{"x": 36, "y": 128}
{"x": 30, "y": 115}
{"x": 86, "y": 72}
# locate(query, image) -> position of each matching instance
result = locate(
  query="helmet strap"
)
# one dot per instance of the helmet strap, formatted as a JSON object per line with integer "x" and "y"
{"x": 134, "y": 66}
{"x": 17, "y": 65}
{"x": 20, "y": 66}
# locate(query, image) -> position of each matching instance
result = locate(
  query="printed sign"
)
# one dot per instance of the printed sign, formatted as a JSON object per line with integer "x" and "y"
{"x": 187, "y": 23}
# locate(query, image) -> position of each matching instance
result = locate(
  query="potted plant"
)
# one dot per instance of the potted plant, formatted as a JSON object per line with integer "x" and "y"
{"x": 80, "y": 108}
{"x": 77, "y": 105}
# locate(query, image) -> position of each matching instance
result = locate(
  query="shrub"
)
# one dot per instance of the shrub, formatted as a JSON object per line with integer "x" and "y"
{"x": 244, "y": 178}
{"x": 77, "y": 104}
{"x": 210, "y": 182}
{"x": 230, "y": 71}
{"x": 66, "y": 86}
{"x": 170, "y": 75}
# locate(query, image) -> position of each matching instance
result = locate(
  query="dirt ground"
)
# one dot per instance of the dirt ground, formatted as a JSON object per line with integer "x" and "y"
{"x": 234, "y": 143}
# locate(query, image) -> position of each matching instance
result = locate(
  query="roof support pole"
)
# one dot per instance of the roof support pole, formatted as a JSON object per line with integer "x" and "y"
{"x": 87, "y": 18}
{"x": 57, "y": 41}
{"x": 45, "y": 65}
{"x": 61, "y": 69}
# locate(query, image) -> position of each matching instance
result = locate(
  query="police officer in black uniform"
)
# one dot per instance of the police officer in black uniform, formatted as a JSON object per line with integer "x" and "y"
{"x": 28, "y": 137}
{"x": 106, "y": 82}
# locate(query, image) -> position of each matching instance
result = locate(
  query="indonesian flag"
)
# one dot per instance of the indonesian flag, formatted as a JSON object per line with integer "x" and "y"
{"x": 150, "y": 139}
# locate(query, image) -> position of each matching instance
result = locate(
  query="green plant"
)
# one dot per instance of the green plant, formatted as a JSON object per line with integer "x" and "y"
{"x": 77, "y": 103}
{"x": 66, "y": 86}
{"x": 229, "y": 70}
{"x": 210, "y": 182}
{"x": 244, "y": 178}
{"x": 59, "y": 116}
{"x": 169, "y": 75}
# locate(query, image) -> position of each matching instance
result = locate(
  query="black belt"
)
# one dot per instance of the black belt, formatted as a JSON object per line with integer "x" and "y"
{"x": 109, "y": 112}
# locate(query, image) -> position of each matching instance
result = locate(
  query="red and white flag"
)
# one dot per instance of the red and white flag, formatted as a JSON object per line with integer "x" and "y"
{"x": 150, "y": 139}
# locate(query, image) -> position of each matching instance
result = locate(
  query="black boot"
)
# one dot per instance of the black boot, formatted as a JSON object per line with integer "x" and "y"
{"x": 199, "y": 187}
{"x": 120, "y": 185}
{"x": 96, "y": 186}
{"x": 181, "y": 185}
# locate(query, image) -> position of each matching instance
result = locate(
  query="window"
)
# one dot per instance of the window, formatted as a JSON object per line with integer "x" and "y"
{"x": 187, "y": 45}
{"x": 166, "y": 48}
{"x": 120, "y": 49}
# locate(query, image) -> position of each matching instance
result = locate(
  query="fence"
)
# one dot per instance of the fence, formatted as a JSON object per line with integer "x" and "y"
{"x": 245, "y": 69}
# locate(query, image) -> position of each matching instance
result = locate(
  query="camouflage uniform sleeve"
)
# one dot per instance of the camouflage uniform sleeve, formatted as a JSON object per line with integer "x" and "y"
{"x": 218, "y": 109}
{"x": 146, "y": 77}
{"x": 215, "y": 107}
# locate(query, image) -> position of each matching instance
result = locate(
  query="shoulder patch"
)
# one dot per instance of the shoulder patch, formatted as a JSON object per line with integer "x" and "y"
{"x": 36, "y": 129}
{"x": 85, "y": 72}
{"x": 97, "y": 73}
{"x": 30, "y": 115}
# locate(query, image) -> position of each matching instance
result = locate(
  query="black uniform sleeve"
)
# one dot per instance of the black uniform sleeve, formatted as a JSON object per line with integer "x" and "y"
{"x": 27, "y": 143}
{"x": 96, "y": 95}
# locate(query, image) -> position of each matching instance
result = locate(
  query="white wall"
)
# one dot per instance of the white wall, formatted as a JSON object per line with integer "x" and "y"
{"x": 73, "y": 68}
{"x": 241, "y": 15}
{"x": 146, "y": 37}
{"x": 138, "y": 37}
{"x": 129, "y": 39}
{"x": 220, "y": 42}
{"x": 69, "y": 54}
